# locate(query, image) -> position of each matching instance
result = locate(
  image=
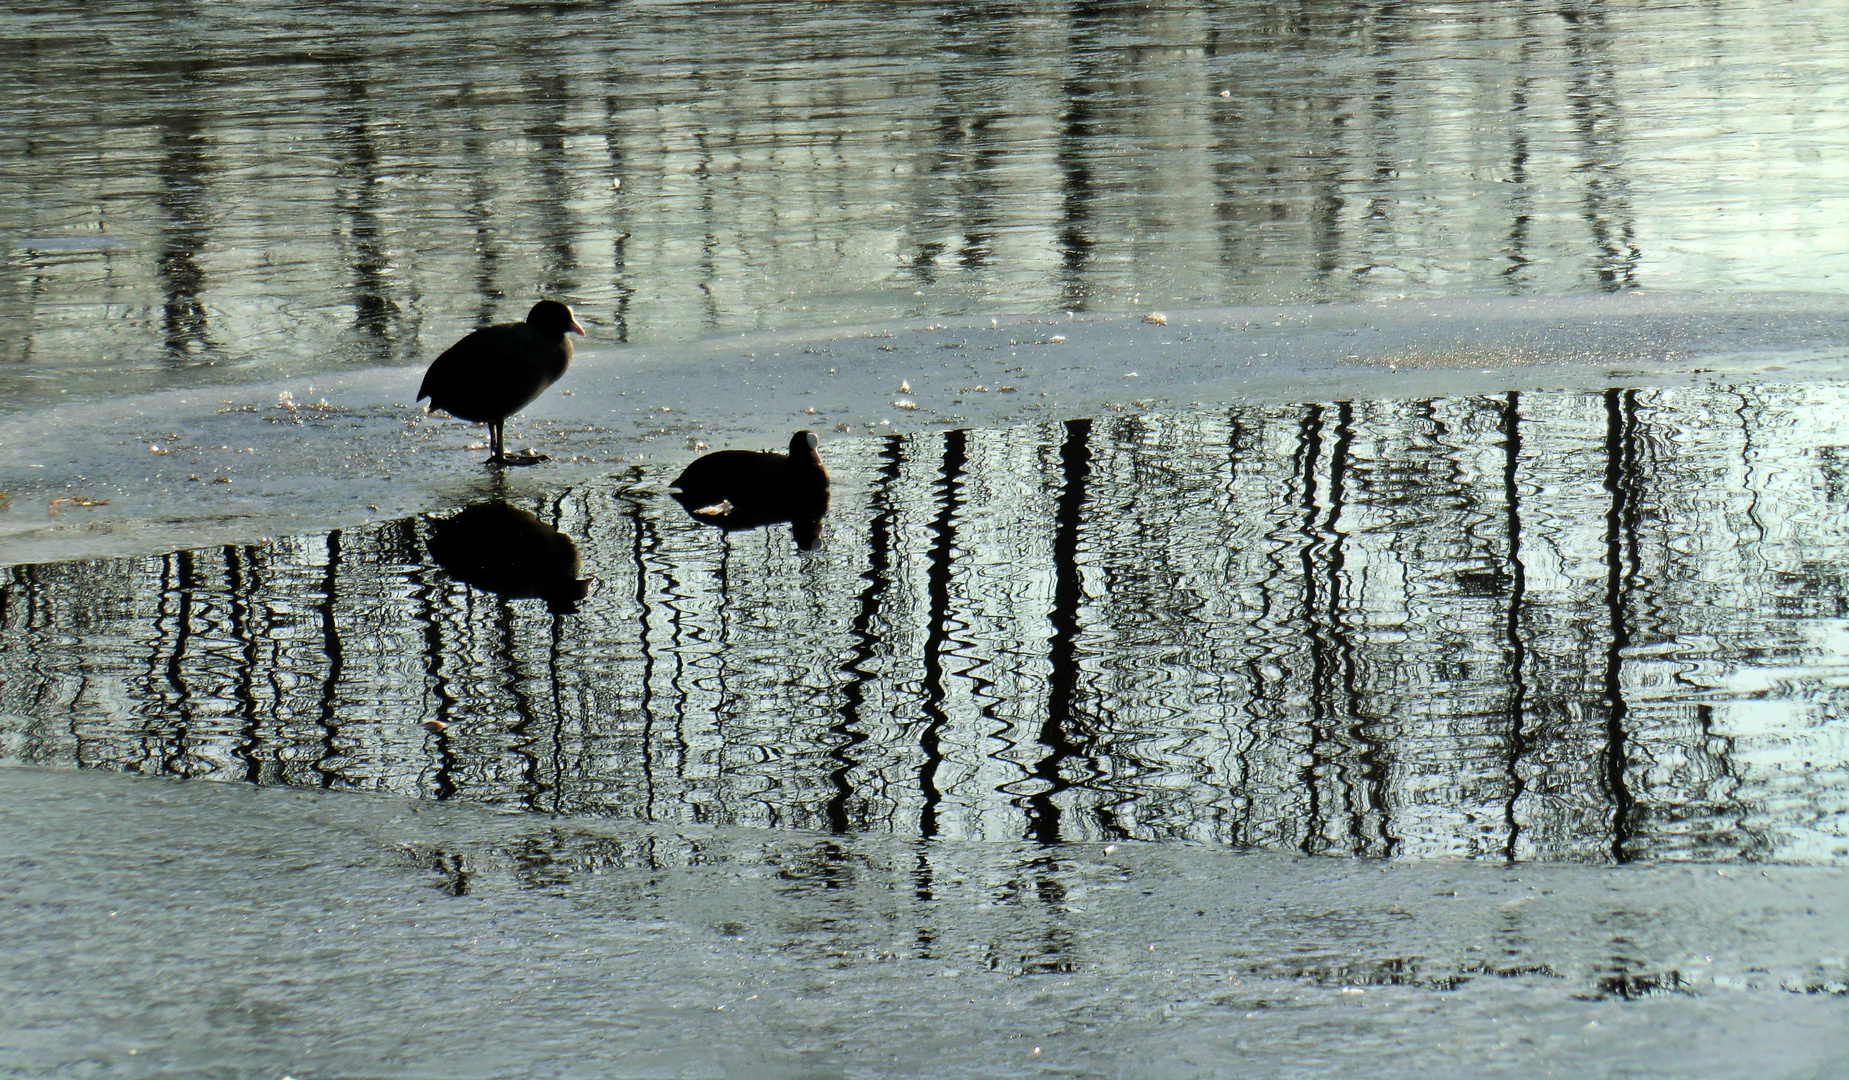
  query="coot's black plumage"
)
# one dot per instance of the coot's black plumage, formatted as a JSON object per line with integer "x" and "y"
{"x": 498, "y": 370}
{"x": 744, "y": 489}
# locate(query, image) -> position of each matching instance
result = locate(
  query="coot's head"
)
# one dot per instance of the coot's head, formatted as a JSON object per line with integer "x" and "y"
{"x": 551, "y": 317}
{"x": 803, "y": 447}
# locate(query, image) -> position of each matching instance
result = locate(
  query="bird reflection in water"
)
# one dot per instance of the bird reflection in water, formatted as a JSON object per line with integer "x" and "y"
{"x": 504, "y": 549}
{"x": 747, "y": 489}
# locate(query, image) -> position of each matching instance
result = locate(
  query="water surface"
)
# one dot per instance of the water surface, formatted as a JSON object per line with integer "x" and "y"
{"x": 1471, "y": 512}
{"x": 1583, "y": 627}
{"x": 201, "y": 193}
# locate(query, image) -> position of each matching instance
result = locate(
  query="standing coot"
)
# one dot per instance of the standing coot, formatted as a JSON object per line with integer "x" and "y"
{"x": 744, "y": 489}
{"x": 496, "y": 371}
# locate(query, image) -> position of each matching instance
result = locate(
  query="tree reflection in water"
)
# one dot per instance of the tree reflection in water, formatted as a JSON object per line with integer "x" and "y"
{"x": 1564, "y": 627}
{"x": 291, "y": 194}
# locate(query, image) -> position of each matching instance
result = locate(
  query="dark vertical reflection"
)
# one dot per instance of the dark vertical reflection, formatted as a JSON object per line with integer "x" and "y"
{"x": 479, "y": 212}
{"x": 851, "y": 730}
{"x": 1062, "y": 730}
{"x": 555, "y": 654}
{"x": 177, "y": 748}
{"x": 683, "y": 640}
{"x": 326, "y": 765}
{"x": 186, "y": 221}
{"x": 1328, "y": 202}
{"x": 241, "y": 589}
{"x": 621, "y": 290}
{"x": 23, "y": 599}
{"x": 147, "y": 742}
{"x": 924, "y": 881}
{"x": 1621, "y": 481}
{"x": 15, "y": 585}
{"x": 1385, "y": 42}
{"x": 507, "y": 658}
{"x": 1056, "y": 944}
{"x": 548, "y": 91}
{"x": 1516, "y": 641}
{"x": 1240, "y": 442}
{"x": 437, "y": 680}
{"x": 937, "y": 632}
{"x": 1307, "y": 458}
{"x": 1269, "y": 671}
{"x": 1516, "y": 247}
{"x": 1370, "y": 820}
{"x": 724, "y": 701}
{"x": 968, "y": 123}
{"x": 1748, "y": 837}
{"x": 706, "y": 267}
{"x": 1077, "y": 188}
{"x": 643, "y": 541}
{"x": 374, "y": 310}
{"x": 1748, "y": 462}
{"x": 1598, "y": 120}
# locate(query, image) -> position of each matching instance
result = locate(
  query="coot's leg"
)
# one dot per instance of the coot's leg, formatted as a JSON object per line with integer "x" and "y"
{"x": 494, "y": 444}
{"x": 502, "y": 457}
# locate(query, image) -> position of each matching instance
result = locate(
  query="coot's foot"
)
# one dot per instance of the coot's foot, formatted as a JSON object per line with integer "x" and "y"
{"x": 528, "y": 458}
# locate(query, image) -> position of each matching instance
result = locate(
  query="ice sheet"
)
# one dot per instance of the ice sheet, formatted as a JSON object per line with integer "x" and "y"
{"x": 222, "y": 464}
{"x": 182, "y": 928}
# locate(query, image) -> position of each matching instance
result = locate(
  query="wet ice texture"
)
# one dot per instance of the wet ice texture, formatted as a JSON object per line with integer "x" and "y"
{"x": 232, "y": 463}
{"x": 1564, "y": 627}
{"x": 1584, "y": 627}
{"x": 217, "y": 929}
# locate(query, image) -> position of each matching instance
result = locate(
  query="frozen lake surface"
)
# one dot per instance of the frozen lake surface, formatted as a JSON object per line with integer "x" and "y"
{"x": 1335, "y": 565}
{"x": 244, "y": 460}
{"x": 162, "y": 929}
{"x": 1033, "y": 752}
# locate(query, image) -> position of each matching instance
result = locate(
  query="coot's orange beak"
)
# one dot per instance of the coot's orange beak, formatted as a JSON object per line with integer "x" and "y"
{"x": 575, "y": 328}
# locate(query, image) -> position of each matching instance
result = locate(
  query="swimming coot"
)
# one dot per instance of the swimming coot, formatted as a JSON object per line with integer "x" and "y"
{"x": 497, "y": 370}
{"x": 744, "y": 489}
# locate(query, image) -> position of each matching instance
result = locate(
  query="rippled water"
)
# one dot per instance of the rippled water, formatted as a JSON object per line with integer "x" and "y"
{"x": 1561, "y": 627}
{"x": 197, "y": 193}
{"x": 1297, "y": 567}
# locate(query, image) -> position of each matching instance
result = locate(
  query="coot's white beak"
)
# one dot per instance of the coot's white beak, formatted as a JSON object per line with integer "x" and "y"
{"x": 575, "y": 328}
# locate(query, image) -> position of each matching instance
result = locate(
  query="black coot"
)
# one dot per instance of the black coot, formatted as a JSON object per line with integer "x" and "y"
{"x": 507, "y": 550}
{"x": 744, "y": 489}
{"x": 497, "y": 370}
